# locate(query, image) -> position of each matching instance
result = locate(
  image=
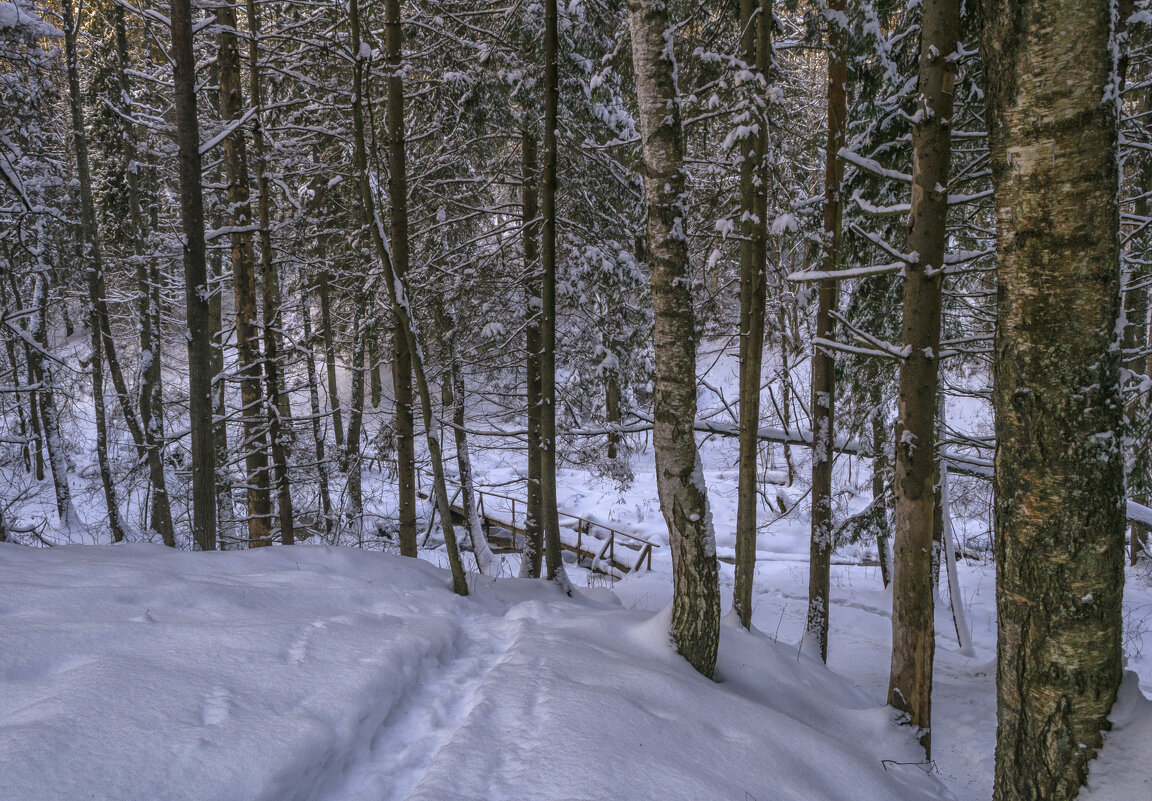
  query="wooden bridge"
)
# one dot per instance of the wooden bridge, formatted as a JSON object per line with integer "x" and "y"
{"x": 598, "y": 547}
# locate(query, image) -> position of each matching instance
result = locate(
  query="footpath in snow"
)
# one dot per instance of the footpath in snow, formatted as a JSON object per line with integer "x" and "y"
{"x": 313, "y": 673}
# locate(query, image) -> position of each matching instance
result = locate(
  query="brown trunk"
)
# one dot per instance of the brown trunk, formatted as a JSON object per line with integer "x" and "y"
{"x": 314, "y": 408}
{"x": 823, "y": 365}
{"x": 398, "y": 199}
{"x": 679, "y": 474}
{"x": 148, "y": 308}
{"x": 255, "y": 445}
{"x": 279, "y": 407}
{"x": 196, "y": 289}
{"x": 90, "y": 245}
{"x": 548, "y": 500}
{"x": 534, "y": 516}
{"x": 913, "y": 587}
{"x": 1059, "y": 485}
{"x": 400, "y": 304}
{"x": 756, "y": 47}
{"x": 329, "y": 333}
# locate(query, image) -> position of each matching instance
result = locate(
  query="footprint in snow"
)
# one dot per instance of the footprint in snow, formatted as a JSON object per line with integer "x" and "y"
{"x": 217, "y": 707}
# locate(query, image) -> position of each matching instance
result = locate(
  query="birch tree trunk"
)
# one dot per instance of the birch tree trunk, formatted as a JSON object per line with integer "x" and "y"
{"x": 913, "y": 588}
{"x": 196, "y": 289}
{"x": 756, "y": 47}
{"x": 679, "y": 474}
{"x": 823, "y": 365}
{"x": 1059, "y": 486}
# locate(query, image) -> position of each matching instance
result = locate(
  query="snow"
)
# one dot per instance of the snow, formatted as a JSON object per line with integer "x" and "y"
{"x": 322, "y": 673}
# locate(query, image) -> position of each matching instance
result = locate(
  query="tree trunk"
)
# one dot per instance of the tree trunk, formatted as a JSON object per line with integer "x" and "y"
{"x": 398, "y": 199}
{"x": 324, "y": 288}
{"x": 1059, "y": 483}
{"x": 148, "y": 308}
{"x": 880, "y": 469}
{"x": 90, "y": 245}
{"x": 823, "y": 365}
{"x": 913, "y": 587}
{"x": 756, "y": 47}
{"x": 400, "y": 304}
{"x": 351, "y": 456}
{"x": 548, "y": 502}
{"x": 314, "y": 408}
{"x": 534, "y": 512}
{"x": 49, "y": 416}
{"x": 679, "y": 474}
{"x": 279, "y": 406}
{"x": 196, "y": 289}
{"x": 255, "y": 446}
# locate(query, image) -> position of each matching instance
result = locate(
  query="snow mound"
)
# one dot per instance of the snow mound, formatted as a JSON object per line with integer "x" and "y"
{"x": 311, "y": 673}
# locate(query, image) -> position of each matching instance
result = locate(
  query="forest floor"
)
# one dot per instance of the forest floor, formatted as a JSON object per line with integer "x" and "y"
{"x": 133, "y": 672}
{"x": 325, "y": 673}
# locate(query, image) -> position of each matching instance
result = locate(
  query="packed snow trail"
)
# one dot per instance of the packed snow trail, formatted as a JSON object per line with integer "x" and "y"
{"x": 318, "y": 674}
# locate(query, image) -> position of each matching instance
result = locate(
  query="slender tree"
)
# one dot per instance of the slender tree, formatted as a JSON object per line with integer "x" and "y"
{"x": 913, "y": 634}
{"x": 823, "y": 365}
{"x": 756, "y": 51}
{"x": 196, "y": 288}
{"x": 679, "y": 474}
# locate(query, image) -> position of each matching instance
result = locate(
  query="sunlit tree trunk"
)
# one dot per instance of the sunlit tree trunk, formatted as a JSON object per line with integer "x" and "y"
{"x": 1059, "y": 487}
{"x": 913, "y": 587}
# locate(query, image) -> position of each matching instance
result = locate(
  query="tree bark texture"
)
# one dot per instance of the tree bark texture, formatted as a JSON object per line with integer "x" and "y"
{"x": 551, "y": 517}
{"x": 534, "y": 514}
{"x": 823, "y": 365}
{"x": 756, "y": 47}
{"x": 398, "y": 200}
{"x": 196, "y": 288}
{"x": 1059, "y": 486}
{"x": 278, "y": 406}
{"x": 679, "y": 475}
{"x": 913, "y": 596}
{"x": 255, "y": 444}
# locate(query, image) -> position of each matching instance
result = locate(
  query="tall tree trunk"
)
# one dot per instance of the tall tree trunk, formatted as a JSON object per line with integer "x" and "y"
{"x": 913, "y": 588}
{"x": 398, "y": 199}
{"x": 400, "y": 303}
{"x": 533, "y": 555}
{"x": 679, "y": 474}
{"x": 196, "y": 288}
{"x": 351, "y": 457}
{"x": 324, "y": 288}
{"x": 255, "y": 445}
{"x": 314, "y": 408}
{"x": 279, "y": 406}
{"x": 148, "y": 309}
{"x": 90, "y": 245}
{"x": 1059, "y": 484}
{"x": 823, "y": 365}
{"x": 551, "y": 519}
{"x": 756, "y": 47}
{"x": 49, "y": 416}
{"x": 880, "y": 468}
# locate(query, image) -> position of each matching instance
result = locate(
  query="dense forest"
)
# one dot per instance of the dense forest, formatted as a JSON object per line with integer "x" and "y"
{"x": 286, "y": 272}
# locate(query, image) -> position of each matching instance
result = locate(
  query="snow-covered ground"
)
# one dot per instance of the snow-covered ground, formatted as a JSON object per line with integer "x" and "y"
{"x": 136, "y": 672}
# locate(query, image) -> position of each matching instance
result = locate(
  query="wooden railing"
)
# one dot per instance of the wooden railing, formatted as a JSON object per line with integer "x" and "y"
{"x": 601, "y": 551}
